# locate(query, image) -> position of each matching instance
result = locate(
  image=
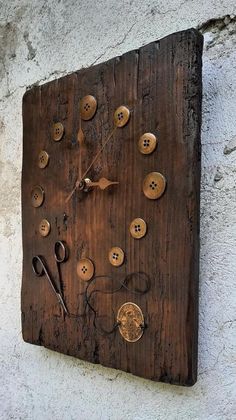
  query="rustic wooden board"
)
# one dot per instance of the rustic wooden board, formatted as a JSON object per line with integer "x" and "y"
{"x": 161, "y": 85}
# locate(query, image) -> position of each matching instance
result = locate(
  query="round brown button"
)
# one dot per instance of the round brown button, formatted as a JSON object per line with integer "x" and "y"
{"x": 58, "y": 131}
{"x": 147, "y": 143}
{"x": 121, "y": 116}
{"x": 85, "y": 269}
{"x": 116, "y": 256}
{"x": 154, "y": 185}
{"x": 44, "y": 227}
{"x": 43, "y": 159}
{"x": 130, "y": 321}
{"x": 138, "y": 228}
{"x": 88, "y": 107}
{"x": 37, "y": 196}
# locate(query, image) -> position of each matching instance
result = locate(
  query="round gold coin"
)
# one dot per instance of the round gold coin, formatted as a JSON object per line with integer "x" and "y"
{"x": 57, "y": 131}
{"x": 121, "y": 116}
{"x": 37, "y": 196}
{"x": 44, "y": 227}
{"x": 116, "y": 256}
{"x": 131, "y": 322}
{"x": 154, "y": 185}
{"x": 43, "y": 159}
{"x": 88, "y": 107}
{"x": 85, "y": 269}
{"x": 138, "y": 228}
{"x": 147, "y": 143}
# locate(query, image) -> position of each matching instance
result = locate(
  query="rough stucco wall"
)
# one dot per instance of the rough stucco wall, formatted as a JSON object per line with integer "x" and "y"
{"x": 41, "y": 40}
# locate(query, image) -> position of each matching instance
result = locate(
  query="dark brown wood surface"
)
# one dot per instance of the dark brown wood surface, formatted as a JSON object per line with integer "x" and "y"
{"x": 161, "y": 85}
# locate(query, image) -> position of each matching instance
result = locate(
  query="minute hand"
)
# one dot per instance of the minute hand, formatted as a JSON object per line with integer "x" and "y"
{"x": 77, "y": 184}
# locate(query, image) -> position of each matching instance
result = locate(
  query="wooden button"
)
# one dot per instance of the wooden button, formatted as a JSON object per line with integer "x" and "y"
{"x": 116, "y": 256}
{"x": 121, "y": 116}
{"x": 154, "y": 185}
{"x": 138, "y": 228}
{"x": 130, "y": 321}
{"x": 43, "y": 159}
{"x": 147, "y": 143}
{"x": 58, "y": 131}
{"x": 85, "y": 269}
{"x": 37, "y": 196}
{"x": 88, "y": 107}
{"x": 44, "y": 227}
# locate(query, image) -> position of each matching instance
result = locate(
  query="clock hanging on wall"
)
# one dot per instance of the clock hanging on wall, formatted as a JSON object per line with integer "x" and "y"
{"x": 110, "y": 211}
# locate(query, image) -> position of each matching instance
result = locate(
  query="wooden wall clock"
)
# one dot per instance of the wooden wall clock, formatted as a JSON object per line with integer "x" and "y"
{"x": 110, "y": 211}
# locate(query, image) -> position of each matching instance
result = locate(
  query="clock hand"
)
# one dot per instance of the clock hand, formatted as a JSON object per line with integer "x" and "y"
{"x": 79, "y": 180}
{"x": 103, "y": 183}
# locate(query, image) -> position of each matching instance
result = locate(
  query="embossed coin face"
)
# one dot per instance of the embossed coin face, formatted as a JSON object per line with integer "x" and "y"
{"x": 57, "y": 131}
{"x": 43, "y": 159}
{"x": 88, "y": 107}
{"x": 121, "y": 116}
{"x": 44, "y": 227}
{"x": 37, "y": 196}
{"x": 154, "y": 185}
{"x": 131, "y": 322}
{"x": 85, "y": 269}
{"x": 138, "y": 228}
{"x": 147, "y": 143}
{"x": 116, "y": 256}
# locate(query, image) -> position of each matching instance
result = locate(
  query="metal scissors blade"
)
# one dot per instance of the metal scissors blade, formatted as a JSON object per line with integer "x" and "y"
{"x": 40, "y": 268}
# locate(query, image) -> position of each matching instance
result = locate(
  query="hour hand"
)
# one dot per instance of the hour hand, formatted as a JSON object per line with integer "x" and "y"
{"x": 103, "y": 183}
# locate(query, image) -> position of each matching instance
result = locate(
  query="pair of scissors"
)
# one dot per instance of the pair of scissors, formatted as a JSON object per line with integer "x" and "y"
{"x": 40, "y": 268}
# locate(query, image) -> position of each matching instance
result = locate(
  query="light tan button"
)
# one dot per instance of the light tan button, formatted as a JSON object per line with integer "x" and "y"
{"x": 43, "y": 159}
{"x": 138, "y": 228}
{"x": 116, "y": 256}
{"x": 147, "y": 143}
{"x": 37, "y": 196}
{"x": 44, "y": 227}
{"x": 154, "y": 185}
{"x": 121, "y": 116}
{"x": 85, "y": 269}
{"x": 58, "y": 131}
{"x": 130, "y": 321}
{"x": 88, "y": 107}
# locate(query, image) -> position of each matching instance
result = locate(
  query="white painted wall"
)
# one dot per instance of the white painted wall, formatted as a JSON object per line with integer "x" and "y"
{"x": 42, "y": 40}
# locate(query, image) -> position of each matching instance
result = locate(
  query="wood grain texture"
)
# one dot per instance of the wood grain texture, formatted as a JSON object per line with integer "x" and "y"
{"x": 161, "y": 85}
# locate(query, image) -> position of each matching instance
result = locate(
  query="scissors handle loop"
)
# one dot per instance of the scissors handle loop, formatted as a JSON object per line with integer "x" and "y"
{"x": 60, "y": 251}
{"x": 38, "y": 265}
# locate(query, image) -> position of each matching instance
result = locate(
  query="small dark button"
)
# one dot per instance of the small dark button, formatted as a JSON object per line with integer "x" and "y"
{"x": 37, "y": 196}
{"x": 43, "y": 159}
{"x": 58, "y": 131}
{"x": 121, "y": 116}
{"x": 88, "y": 107}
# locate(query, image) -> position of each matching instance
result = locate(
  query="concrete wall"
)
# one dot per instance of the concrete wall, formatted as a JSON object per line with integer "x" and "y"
{"x": 42, "y": 40}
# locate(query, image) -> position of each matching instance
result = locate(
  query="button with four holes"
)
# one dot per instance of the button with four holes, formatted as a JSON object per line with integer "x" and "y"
{"x": 44, "y": 227}
{"x": 85, "y": 269}
{"x": 57, "y": 131}
{"x": 147, "y": 143}
{"x": 43, "y": 159}
{"x": 88, "y": 107}
{"x": 138, "y": 228}
{"x": 154, "y": 185}
{"x": 121, "y": 116}
{"x": 116, "y": 256}
{"x": 37, "y": 196}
